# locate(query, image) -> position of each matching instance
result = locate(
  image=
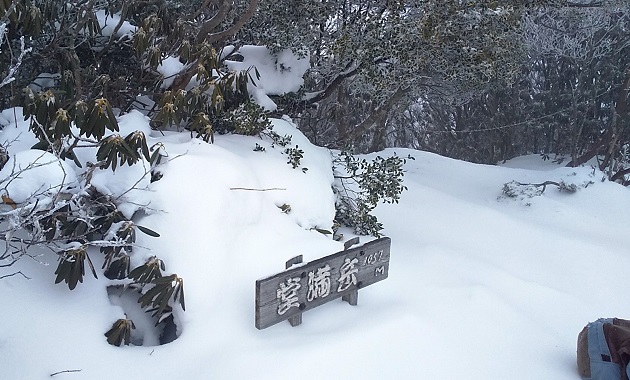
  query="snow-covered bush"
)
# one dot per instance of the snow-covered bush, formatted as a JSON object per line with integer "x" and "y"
{"x": 95, "y": 63}
{"x": 523, "y": 191}
{"x": 52, "y": 203}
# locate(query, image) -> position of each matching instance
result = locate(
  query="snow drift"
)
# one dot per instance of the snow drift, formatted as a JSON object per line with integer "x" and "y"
{"x": 480, "y": 285}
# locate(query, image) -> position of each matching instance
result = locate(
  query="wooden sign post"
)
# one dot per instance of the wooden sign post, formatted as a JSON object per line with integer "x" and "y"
{"x": 288, "y": 294}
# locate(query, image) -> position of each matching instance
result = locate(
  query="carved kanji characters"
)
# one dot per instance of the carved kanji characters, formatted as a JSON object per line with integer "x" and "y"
{"x": 287, "y": 293}
{"x": 347, "y": 274}
{"x": 318, "y": 283}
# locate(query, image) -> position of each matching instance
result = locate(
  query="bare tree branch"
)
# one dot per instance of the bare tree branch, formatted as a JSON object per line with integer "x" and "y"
{"x": 65, "y": 371}
{"x": 351, "y": 69}
{"x": 15, "y": 274}
{"x": 214, "y": 22}
{"x": 244, "y": 19}
{"x": 112, "y": 37}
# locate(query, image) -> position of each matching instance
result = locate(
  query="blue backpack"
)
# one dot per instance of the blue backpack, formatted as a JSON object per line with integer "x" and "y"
{"x": 603, "y": 350}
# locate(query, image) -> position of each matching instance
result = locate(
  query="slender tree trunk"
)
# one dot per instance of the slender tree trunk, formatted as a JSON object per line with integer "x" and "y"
{"x": 378, "y": 141}
{"x": 610, "y": 138}
{"x": 376, "y": 118}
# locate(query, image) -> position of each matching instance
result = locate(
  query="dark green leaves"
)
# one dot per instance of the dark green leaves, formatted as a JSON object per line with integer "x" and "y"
{"x": 121, "y": 239}
{"x": 114, "y": 150}
{"x": 153, "y": 57}
{"x": 168, "y": 115}
{"x": 99, "y": 117}
{"x": 71, "y": 268}
{"x": 323, "y": 232}
{"x": 107, "y": 216}
{"x": 249, "y": 119}
{"x": 25, "y": 14}
{"x": 363, "y": 185}
{"x": 120, "y": 332}
{"x": 164, "y": 289}
{"x": 51, "y": 122}
{"x": 117, "y": 261}
{"x": 203, "y": 127}
{"x": 137, "y": 141}
{"x": 148, "y": 271}
{"x": 117, "y": 266}
{"x": 295, "y": 156}
{"x": 42, "y": 108}
{"x": 148, "y": 231}
{"x": 217, "y": 104}
{"x": 140, "y": 42}
{"x": 60, "y": 123}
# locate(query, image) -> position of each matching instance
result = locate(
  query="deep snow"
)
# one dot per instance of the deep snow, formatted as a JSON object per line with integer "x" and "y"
{"x": 480, "y": 286}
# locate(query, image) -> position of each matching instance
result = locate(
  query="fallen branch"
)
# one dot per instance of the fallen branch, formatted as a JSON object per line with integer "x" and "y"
{"x": 543, "y": 185}
{"x": 515, "y": 189}
{"x": 65, "y": 371}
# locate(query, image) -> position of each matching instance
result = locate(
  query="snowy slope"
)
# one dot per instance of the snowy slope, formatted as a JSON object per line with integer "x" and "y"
{"x": 480, "y": 287}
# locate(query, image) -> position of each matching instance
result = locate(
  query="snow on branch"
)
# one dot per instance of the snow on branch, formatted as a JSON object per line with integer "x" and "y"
{"x": 578, "y": 31}
{"x": 10, "y": 76}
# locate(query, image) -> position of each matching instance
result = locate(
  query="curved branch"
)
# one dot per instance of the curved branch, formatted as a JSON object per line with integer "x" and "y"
{"x": 15, "y": 274}
{"x": 375, "y": 117}
{"x": 244, "y": 19}
{"x": 112, "y": 37}
{"x": 350, "y": 70}
{"x": 215, "y": 21}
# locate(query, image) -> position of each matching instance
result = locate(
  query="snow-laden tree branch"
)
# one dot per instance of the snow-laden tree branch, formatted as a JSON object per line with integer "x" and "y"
{"x": 584, "y": 33}
{"x": 9, "y": 76}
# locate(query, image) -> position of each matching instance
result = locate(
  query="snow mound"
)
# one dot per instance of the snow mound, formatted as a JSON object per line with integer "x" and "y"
{"x": 477, "y": 287}
{"x": 33, "y": 174}
{"x": 279, "y": 73}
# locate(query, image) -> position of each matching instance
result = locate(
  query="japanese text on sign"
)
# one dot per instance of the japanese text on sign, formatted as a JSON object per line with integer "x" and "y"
{"x": 296, "y": 290}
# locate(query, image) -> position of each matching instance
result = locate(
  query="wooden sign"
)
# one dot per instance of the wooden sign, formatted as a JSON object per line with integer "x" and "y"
{"x": 288, "y": 294}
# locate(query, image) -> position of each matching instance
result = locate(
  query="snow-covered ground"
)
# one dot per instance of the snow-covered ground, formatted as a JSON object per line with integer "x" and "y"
{"x": 480, "y": 286}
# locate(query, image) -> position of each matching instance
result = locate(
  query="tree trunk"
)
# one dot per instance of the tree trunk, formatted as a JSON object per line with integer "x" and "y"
{"x": 378, "y": 141}
{"x": 610, "y": 138}
{"x": 376, "y": 118}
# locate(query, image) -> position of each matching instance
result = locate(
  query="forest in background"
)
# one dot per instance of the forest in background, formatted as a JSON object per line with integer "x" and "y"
{"x": 477, "y": 80}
